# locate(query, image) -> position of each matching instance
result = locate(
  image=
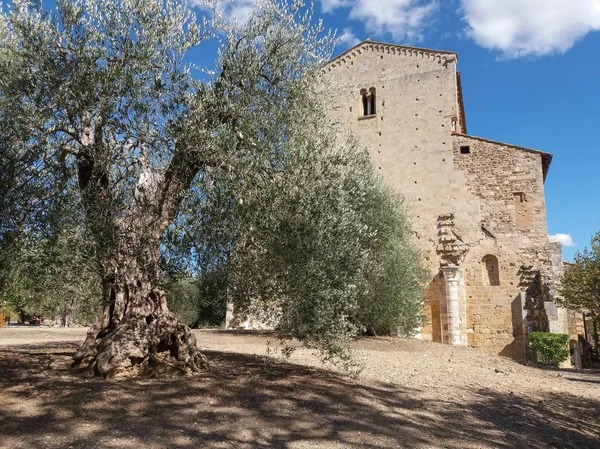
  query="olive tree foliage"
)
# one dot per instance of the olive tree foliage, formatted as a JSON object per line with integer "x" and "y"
{"x": 198, "y": 299}
{"x": 580, "y": 285}
{"x": 322, "y": 251}
{"x": 47, "y": 265}
{"x": 47, "y": 257}
{"x": 52, "y": 275}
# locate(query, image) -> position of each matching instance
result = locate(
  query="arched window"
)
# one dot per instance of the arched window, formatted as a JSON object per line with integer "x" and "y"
{"x": 489, "y": 270}
{"x": 368, "y": 101}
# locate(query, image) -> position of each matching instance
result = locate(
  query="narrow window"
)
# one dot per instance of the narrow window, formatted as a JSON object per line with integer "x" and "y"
{"x": 489, "y": 270}
{"x": 465, "y": 149}
{"x": 365, "y": 102}
{"x": 368, "y": 101}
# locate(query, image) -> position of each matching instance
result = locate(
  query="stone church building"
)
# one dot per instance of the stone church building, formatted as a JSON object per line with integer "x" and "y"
{"x": 477, "y": 205}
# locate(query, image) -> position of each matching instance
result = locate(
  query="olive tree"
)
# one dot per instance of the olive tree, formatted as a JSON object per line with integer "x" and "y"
{"x": 96, "y": 97}
{"x": 322, "y": 250}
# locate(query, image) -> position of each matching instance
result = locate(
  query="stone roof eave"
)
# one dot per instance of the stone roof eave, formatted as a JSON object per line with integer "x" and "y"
{"x": 384, "y": 45}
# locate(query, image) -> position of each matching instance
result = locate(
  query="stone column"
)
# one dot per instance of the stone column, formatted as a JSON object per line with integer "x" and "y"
{"x": 443, "y": 309}
{"x": 453, "y": 294}
{"x": 527, "y": 325}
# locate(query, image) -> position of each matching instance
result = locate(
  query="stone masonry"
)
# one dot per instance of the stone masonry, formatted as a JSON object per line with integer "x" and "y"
{"x": 477, "y": 206}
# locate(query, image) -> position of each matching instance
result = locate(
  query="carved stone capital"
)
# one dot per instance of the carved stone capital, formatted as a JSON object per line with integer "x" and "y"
{"x": 451, "y": 274}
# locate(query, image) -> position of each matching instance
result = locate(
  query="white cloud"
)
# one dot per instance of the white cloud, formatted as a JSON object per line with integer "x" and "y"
{"x": 331, "y": 5}
{"x": 530, "y": 27}
{"x": 349, "y": 39}
{"x": 563, "y": 239}
{"x": 239, "y": 10}
{"x": 403, "y": 19}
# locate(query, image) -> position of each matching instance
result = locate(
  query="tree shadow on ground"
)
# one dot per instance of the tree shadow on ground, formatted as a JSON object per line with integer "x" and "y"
{"x": 246, "y": 401}
{"x": 591, "y": 376}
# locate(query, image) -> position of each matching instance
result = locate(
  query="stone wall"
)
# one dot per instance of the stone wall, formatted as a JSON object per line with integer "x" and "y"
{"x": 410, "y": 136}
{"x": 507, "y": 182}
{"x": 476, "y": 205}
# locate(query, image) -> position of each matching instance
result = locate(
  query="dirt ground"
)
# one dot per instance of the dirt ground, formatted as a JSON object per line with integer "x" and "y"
{"x": 411, "y": 394}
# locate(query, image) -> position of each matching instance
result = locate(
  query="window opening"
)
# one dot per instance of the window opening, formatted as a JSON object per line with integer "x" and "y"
{"x": 465, "y": 149}
{"x": 369, "y": 101}
{"x": 520, "y": 197}
{"x": 489, "y": 270}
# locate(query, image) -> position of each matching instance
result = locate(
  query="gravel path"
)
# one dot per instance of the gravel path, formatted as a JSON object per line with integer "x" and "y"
{"x": 410, "y": 394}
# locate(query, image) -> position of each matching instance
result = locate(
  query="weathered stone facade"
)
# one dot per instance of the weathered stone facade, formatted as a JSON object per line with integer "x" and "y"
{"x": 477, "y": 206}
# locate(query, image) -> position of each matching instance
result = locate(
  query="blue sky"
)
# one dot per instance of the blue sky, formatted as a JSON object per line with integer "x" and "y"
{"x": 531, "y": 77}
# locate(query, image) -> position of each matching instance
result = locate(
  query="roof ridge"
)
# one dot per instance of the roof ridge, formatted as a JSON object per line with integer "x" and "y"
{"x": 518, "y": 147}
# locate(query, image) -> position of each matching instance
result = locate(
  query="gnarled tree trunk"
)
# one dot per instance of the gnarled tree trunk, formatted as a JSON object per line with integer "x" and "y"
{"x": 136, "y": 328}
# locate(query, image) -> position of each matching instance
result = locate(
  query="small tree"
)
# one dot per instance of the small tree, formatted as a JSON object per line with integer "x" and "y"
{"x": 49, "y": 266}
{"x": 580, "y": 286}
{"x": 53, "y": 276}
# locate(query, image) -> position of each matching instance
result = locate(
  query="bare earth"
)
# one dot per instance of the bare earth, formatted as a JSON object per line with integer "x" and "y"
{"x": 411, "y": 394}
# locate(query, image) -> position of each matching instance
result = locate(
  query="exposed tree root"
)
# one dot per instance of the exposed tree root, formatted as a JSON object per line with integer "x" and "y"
{"x": 145, "y": 342}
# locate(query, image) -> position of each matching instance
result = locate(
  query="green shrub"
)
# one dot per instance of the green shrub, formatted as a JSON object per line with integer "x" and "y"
{"x": 549, "y": 348}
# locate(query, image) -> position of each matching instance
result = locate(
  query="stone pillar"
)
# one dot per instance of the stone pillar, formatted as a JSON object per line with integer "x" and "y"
{"x": 443, "y": 309}
{"x": 527, "y": 325}
{"x": 455, "y": 306}
{"x": 558, "y": 317}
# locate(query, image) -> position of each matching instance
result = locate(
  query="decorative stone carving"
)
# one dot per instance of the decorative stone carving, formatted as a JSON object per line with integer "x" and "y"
{"x": 450, "y": 249}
